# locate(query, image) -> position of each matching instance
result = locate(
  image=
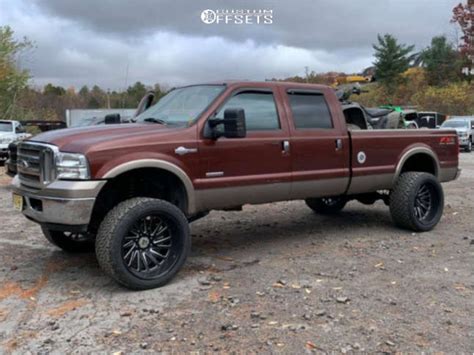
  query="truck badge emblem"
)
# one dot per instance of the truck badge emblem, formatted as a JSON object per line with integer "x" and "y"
{"x": 361, "y": 157}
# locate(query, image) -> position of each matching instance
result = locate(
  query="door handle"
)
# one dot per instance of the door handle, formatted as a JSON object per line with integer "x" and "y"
{"x": 285, "y": 147}
{"x": 338, "y": 144}
{"x": 183, "y": 150}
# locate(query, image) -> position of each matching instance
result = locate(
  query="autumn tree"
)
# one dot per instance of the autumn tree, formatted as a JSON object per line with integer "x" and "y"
{"x": 391, "y": 60}
{"x": 12, "y": 77}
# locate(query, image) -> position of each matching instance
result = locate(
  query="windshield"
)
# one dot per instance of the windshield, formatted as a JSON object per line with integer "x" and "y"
{"x": 6, "y": 127}
{"x": 455, "y": 124}
{"x": 181, "y": 106}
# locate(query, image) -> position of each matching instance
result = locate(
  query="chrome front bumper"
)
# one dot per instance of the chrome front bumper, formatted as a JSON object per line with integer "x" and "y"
{"x": 61, "y": 202}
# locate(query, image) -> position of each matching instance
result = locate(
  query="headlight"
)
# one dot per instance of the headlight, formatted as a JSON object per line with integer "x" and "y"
{"x": 72, "y": 166}
{"x": 7, "y": 140}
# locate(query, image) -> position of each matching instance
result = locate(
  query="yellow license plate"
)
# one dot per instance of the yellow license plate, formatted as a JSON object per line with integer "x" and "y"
{"x": 18, "y": 202}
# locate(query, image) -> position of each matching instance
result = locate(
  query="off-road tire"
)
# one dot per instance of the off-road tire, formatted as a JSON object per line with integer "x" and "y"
{"x": 327, "y": 205}
{"x": 70, "y": 242}
{"x": 115, "y": 226}
{"x": 403, "y": 201}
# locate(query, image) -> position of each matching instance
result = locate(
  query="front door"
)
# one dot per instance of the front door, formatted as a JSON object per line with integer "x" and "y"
{"x": 253, "y": 169}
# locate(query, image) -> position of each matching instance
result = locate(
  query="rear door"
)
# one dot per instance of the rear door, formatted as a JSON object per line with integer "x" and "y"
{"x": 253, "y": 169}
{"x": 319, "y": 143}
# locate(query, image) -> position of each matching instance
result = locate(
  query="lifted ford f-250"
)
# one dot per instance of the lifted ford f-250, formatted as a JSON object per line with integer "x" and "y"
{"x": 130, "y": 190}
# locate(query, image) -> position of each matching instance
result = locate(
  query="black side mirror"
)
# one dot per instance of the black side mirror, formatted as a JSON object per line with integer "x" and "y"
{"x": 112, "y": 118}
{"x": 234, "y": 123}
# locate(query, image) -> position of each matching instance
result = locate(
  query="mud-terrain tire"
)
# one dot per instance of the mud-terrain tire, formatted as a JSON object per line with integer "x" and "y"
{"x": 417, "y": 201}
{"x": 70, "y": 242}
{"x": 327, "y": 205}
{"x": 143, "y": 242}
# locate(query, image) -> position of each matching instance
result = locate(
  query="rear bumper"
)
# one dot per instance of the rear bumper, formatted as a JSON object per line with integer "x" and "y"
{"x": 60, "y": 203}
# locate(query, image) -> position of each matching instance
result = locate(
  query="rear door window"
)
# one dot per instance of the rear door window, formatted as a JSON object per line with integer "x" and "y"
{"x": 310, "y": 111}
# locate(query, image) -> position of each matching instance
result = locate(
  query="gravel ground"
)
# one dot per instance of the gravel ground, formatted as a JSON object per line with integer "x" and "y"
{"x": 273, "y": 278}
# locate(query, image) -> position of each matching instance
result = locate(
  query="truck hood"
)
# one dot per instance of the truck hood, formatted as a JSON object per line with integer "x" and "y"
{"x": 6, "y": 134}
{"x": 83, "y": 139}
{"x": 461, "y": 130}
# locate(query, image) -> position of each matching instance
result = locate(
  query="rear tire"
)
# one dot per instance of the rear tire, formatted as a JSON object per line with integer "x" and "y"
{"x": 326, "y": 205}
{"x": 143, "y": 242}
{"x": 417, "y": 201}
{"x": 70, "y": 242}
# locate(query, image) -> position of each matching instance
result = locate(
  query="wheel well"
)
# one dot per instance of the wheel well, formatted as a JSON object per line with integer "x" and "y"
{"x": 143, "y": 182}
{"x": 419, "y": 162}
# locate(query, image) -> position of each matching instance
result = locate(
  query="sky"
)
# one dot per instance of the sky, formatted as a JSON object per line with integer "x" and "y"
{"x": 88, "y": 42}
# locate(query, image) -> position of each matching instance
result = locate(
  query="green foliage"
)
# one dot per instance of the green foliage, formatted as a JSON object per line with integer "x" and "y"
{"x": 392, "y": 60}
{"x": 442, "y": 62}
{"x": 50, "y": 89}
{"x": 12, "y": 78}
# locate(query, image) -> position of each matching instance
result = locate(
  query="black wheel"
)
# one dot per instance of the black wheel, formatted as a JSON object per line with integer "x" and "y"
{"x": 417, "y": 201}
{"x": 468, "y": 148}
{"x": 69, "y": 241}
{"x": 143, "y": 242}
{"x": 326, "y": 205}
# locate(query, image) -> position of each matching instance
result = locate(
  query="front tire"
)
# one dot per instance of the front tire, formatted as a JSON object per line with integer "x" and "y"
{"x": 468, "y": 148}
{"x": 143, "y": 242}
{"x": 417, "y": 201}
{"x": 69, "y": 241}
{"x": 326, "y": 205}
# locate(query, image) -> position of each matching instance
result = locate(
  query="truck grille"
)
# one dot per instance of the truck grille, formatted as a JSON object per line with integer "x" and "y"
{"x": 35, "y": 164}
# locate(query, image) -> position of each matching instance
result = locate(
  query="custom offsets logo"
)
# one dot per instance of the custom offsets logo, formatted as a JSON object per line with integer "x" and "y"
{"x": 237, "y": 17}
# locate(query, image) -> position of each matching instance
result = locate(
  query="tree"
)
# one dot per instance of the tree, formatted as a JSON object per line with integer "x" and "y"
{"x": 463, "y": 15}
{"x": 392, "y": 59}
{"x": 441, "y": 61}
{"x": 135, "y": 94}
{"x": 12, "y": 77}
{"x": 50, "y": 89}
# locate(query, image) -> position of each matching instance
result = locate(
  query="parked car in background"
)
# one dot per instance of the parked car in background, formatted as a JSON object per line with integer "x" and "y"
{"x": 10, "y": 131}
{"x": 464, "y": 126}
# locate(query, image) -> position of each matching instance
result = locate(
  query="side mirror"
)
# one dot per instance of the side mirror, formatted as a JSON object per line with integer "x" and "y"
{"x": 113, "y": 118}
{"x": 234, "y": 123}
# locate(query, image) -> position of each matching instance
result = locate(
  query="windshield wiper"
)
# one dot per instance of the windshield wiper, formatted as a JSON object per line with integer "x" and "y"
{"x": 155, "y": 120}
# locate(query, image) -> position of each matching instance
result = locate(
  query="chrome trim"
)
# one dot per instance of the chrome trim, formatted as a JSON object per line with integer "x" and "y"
{"x": 215, "y": 174}
{"x": 36, "y": 170}
{"x": 286, "y": 147}
{"x": 183, "y": 150}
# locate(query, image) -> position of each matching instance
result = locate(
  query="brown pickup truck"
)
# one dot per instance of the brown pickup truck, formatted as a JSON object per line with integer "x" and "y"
{"x": 130, "y": 190}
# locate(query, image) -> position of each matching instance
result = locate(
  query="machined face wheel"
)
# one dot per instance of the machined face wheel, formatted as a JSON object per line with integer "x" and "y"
{"x": 148, "y": 249}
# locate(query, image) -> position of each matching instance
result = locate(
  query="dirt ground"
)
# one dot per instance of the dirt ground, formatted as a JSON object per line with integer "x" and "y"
{"x": 273, "y": 278}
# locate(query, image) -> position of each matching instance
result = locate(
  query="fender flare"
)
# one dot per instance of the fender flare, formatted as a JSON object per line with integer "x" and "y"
{"x": 158, "y": 164}
{"x": 411, "y": 152}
